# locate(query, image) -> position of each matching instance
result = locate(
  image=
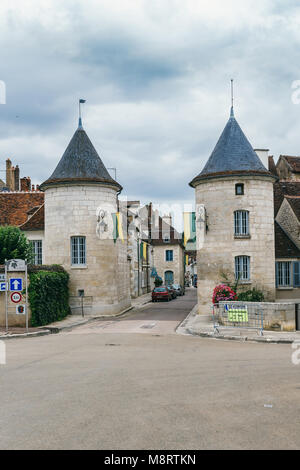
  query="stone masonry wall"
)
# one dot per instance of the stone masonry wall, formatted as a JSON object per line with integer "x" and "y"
{"x": 176, "y": 265}
{"x": 220, "y": 246}
{"x": 72, "y": 211}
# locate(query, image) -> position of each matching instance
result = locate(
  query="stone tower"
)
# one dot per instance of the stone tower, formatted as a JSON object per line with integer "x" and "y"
{"x": 81, "y": 200}
{"x": 235, "y": 218}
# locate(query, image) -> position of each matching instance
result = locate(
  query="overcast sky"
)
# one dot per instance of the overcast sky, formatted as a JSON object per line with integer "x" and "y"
{"x": 156, "y": 77}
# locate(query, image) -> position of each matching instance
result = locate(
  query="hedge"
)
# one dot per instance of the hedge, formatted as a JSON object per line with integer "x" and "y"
{"x": 48, "y": 294}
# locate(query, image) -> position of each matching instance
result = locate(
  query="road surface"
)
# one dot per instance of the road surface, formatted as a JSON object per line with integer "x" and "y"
{"x": 127, "y": 387}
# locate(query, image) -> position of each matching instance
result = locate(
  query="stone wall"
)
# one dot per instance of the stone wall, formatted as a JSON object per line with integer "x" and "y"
{"x": 220, "y": 245}
{"x": 276, "y": 316}
{"x": 73, "y": 211}
{"x": 177, "y": 265}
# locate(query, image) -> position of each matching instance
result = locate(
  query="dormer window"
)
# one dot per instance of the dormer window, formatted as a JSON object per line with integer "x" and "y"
{"x": 239, "y": 189}
{"x": 166, "y": 238}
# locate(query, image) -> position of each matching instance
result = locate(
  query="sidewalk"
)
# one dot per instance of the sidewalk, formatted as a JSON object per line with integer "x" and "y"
{"x": 71, "y": 321}
{"x": 202, "y": 325}
{"x": 77, "y": 320}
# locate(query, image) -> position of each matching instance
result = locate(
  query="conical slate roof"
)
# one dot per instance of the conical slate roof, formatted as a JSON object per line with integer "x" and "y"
{"x": 232, "y": 155}
{"x": 80, "y": 164}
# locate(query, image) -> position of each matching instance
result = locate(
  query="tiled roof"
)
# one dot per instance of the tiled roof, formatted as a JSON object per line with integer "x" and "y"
{"x": 282, "y": 189}
{"x": 294, "y": 162}
{"x": 80, "y": 164}
{"x": 232, "y": 155}
{"x": 163, "y": 228}
{"x": 14, "y": 206}
{"x": 294, "y": 202}
{"x": 284, "y": 247}
{"x": 36, "y": 221}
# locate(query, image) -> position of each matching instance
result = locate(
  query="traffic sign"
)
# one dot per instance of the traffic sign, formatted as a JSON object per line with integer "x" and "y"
{"x": 16, "y": 297}
{"x": 15, "y": 284}
{"x": 21, "y": 309}
{"x": 3, "y": 286}
{"x": 2, "y": 277}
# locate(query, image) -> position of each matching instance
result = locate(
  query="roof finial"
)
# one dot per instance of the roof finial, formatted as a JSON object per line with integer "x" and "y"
{"x": 80, "y": 120}
{"x": 231, "y": 111}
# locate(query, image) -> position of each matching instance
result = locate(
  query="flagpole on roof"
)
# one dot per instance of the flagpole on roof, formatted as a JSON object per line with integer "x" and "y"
{"x": 231, "y": 111}
{"x": 80, "y": 120}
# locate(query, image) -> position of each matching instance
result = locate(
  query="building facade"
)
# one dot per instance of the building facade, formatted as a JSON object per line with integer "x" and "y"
{"x": 234, "y": 218}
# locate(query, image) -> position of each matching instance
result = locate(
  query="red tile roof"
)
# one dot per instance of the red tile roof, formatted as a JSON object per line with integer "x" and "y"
{"x": 14, "y": 206}
{"x": 36, "y": 221}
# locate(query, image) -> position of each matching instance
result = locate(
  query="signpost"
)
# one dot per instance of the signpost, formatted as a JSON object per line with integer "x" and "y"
{"x": 15, "y": 286}
{"x": 16, "y": 297}
{"x": 3, "y": 286}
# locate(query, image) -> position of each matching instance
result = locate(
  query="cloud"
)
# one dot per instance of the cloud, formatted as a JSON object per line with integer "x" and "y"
{"x": 156, "y": 76}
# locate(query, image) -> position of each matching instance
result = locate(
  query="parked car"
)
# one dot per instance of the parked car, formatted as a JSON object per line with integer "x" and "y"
{"x": 195, "y": 281}
{"x": 161, "y": 293}
{"x": 173, "y": 292}
{"x": 179, "y": 289}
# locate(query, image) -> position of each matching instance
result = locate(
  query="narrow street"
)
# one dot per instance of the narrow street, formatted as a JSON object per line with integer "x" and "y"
{"x": 158, "y": 318}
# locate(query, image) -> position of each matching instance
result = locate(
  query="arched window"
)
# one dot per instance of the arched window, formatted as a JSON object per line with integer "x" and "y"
{"x": 242, "y": 268}
{"x": 169, "y": 278}
{"x": 241, "y": 223}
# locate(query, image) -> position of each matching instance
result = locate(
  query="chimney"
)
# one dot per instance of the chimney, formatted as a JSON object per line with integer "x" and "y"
{"x": 37, "y": 187}
{"x": 167, "y": 218}
{"x": 32, "y": 188}
{"x": 8, "y": 174}
{"x": 17, "y": 178}
{"x": 263, "y": 155}
{"x": 25, "y": 184}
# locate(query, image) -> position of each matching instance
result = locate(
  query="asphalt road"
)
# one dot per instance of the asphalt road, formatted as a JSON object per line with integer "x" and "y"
{"x": 103, "y": 389}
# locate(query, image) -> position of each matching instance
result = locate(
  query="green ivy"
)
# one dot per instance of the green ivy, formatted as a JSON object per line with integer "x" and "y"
{"x": 48, "y": 293}
{"x": 253, "y": 295}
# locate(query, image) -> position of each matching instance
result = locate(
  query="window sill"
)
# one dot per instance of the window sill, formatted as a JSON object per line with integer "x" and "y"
{"x": 238, "y": 237}
{"x": 245, "y": 282}
{"x": 285, "y": 288}
{"x": 79, "y": 266}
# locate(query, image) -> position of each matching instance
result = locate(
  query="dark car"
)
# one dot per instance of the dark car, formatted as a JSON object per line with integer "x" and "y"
{"x": 179, "y": 289}
{"x": 161, "y": 293}
{"x": 173, "y": 292}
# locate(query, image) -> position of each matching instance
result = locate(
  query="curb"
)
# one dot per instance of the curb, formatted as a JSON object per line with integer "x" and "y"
{"x": 260, "y": 339}
{"x": 211, "y": 335}
{"x": 26, "y": 335}
{"x": 58, "y": 329}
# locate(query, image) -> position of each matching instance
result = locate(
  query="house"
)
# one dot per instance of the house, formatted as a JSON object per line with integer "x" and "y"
{"x": 288, "y": 168}
{"x": 168, "y": 250}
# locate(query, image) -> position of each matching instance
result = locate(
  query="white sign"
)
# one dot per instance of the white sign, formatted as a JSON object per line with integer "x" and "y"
{"x": 2, "y": 277}
{"x": 16, "y": 265}
{"x": 16, "y": 297}
{"x": 21, "y": 309}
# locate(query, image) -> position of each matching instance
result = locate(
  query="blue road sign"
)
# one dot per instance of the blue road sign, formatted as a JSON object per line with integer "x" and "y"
{"x": 15, "y": 284}
{"x": 2, "y": 286}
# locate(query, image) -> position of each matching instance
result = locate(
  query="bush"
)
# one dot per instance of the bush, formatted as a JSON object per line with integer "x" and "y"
{"x": 158, "y": 281}
{"x": 253, "y": 295}
{"x": 14, "y": 244}
{"x": 48, "y": 293}
{"x": 223, "y": 292}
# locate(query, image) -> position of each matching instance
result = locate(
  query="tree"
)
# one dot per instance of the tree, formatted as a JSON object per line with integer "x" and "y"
{"x": 14, "y": 244}
{"x": 158, "y": 281}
